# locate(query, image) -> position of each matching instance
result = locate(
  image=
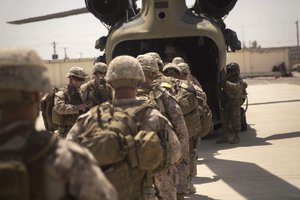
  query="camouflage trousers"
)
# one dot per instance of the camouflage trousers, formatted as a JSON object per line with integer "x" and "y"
{"x": 231, "y": 117}
{"x": 149, "y": 192}
{"x": 166, "y": 182}
{"x": 183, "y": 173}
{"x": 194, "y": 143}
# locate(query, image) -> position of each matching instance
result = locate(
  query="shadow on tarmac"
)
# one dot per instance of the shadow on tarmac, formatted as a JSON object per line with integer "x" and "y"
{"x": 248, "y": 179}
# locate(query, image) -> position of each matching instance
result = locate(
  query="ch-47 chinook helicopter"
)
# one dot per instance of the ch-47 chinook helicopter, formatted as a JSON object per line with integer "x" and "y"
{"x": 170, "y": 28}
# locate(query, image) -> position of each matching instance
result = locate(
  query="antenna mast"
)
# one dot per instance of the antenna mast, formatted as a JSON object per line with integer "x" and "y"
{"x": 297, "y": 29}
{"x": 54, "y": 55}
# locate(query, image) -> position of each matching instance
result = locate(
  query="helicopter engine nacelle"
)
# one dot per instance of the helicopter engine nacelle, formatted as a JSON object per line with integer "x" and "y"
{"x": 215, "y": 8}
{"x": 107, "y": 11}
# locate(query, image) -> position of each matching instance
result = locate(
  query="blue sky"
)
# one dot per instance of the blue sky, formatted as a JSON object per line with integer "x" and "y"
{"x": 270, "y": 22}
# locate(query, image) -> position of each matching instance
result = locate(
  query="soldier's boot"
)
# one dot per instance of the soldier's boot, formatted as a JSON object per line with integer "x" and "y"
{"x": 235, "y": 140}
{"x": 180, "y": 196}
{"x": 191, "y": 188}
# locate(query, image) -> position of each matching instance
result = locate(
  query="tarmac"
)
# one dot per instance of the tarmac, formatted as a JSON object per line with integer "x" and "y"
{"x": 266, "y": 164}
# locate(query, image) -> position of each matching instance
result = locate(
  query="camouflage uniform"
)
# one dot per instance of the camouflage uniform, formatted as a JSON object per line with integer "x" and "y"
{"x": 65, "y": 170}
{"x": 188, "y": 85}
{"x": 126, "y": 72}
{"x": 234, "y": 90}
{"x": 168, "y": 106}
{"x": 96, "y": 91}
{"x": 67, "y": 103}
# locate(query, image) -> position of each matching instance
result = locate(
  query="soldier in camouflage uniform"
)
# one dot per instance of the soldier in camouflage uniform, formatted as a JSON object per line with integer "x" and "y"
{"x": 68, "y": 103}
{"x": 185, "y": 71}
{"x": 56, "y": 169}
{"x": 171, "y": 70}
{"x": 234, "y": 91}
{"x": 124, "y": 74}
{"x": 162, "y": 100}
{"x": 158, "y": 60}
{"x": 204, "y": 111}
{"x": 96, "y": 91}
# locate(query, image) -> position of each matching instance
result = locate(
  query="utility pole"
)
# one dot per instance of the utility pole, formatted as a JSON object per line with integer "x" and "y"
{"x": 54, "y": 55}
{"x": 297, "y": 29}
{"x": 65, "y": 51}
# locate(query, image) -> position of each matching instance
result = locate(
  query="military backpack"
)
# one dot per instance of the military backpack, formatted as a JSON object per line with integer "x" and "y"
{"x": 46, "y": 105}
{"x": 186, "y": 97}
{"x": 123, "y": 134}
{"x": 124, "y": 148}
{"x": 17, "y": 167}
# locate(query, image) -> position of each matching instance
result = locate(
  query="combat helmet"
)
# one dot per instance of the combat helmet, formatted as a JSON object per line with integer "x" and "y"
{"x": 178, "y": 60}
{"x": 184, "y": 68}
{"x": 157, "y": 57}
{"x": 100, "y": 67}
{"x": 171, "y": 66}
{"x": 148, "y": 63}
{"x": 21, "y": 70}
{"x": 77, "y": 72}
{"x": 233, "y": 69}
{"x": 124, "y": 71}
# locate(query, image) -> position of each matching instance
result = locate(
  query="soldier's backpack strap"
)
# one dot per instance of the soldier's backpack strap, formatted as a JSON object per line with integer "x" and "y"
{"x": 38, "y": 146}
{"x": 26, "y": 164}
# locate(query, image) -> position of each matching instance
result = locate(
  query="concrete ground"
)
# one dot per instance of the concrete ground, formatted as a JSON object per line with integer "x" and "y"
{"x": 266, "y": 164}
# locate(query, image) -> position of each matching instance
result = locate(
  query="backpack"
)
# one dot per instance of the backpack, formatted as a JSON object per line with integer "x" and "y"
{"x": 126, "y": 138}
{"x": 16, "y": 167}
{"x": 185, "y": 95}
{"x": 205, "y": 115}
{"x": 46, "y": 106}
{"x": 123, "y": 147}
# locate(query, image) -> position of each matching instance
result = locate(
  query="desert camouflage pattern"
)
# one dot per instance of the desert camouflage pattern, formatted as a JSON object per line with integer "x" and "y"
{"x": 231, "y": 110}
{"x": 157, "y": 57}
{"x": 178, "y": 60}
{"x": 174, "y": 114}
{"x": 23, "y": 69}
{"x": 124, "y": 70}
{"x": 77, "y": 72}
{"x": 70, "y": 167}
{"x": 95, "y": 92}
{"x": 168, "y": 106}
{"x": 171, "y": 66}
{"x": 153, "y": 119}
{"x": 100, "y": 67}
{"x": 68, "y": 108}
{"x": 62, "y": 107}
{"x": 166, "y": 183}
{"x": 184, "y": 67}
{"x": 148, "y": 63}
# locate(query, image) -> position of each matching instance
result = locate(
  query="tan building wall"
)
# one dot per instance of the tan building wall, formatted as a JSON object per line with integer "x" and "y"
{"x": 58, "y": 69}
{"x": 259, "y": 61}
{"x": 253, "y": 62}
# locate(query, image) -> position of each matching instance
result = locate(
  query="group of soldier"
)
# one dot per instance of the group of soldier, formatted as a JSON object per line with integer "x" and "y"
{"x": 163, "y": 99}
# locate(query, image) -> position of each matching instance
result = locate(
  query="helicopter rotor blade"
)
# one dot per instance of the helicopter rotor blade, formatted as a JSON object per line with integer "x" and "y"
{"x": 50, "y": 16}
